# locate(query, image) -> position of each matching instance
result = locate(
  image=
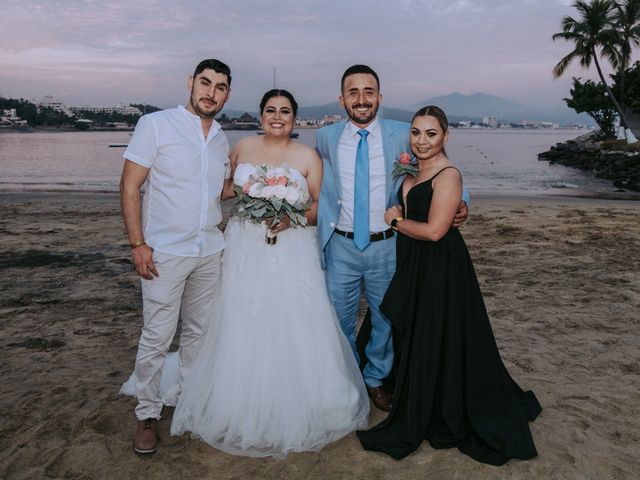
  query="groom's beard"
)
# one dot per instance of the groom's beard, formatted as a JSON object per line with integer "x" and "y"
{"x": 365, "y": 118}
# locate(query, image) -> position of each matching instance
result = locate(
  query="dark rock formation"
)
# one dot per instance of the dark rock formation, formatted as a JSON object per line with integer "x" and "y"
{"x": 585, "y": 153}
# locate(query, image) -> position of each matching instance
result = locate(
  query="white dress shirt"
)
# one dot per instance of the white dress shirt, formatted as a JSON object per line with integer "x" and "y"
{"x": 377, "y": 176}
{"x": 181, "y": 205}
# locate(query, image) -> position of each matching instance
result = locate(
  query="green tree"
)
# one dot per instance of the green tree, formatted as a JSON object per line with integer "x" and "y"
{"x": 591, "y": 34}
{"x": 626, "y": 18}
{"x": 629, "y": 86}
{"x": 591, "y": 98}
{"x": 24, "y": 109}
{"x": 33, "y": 115}
{"x": 50, "y": 117}
{"x": 145, "y": 108}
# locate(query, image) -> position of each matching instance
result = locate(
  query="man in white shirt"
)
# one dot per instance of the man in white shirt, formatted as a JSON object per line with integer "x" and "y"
{"x": 180, "y": 156}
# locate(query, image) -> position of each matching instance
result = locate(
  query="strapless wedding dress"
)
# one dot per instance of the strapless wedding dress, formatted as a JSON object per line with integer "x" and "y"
{"x": 274, "y": 373}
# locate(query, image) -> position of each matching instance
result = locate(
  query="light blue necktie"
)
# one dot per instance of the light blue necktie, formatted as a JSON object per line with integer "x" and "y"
{"x": 361, "y": 236}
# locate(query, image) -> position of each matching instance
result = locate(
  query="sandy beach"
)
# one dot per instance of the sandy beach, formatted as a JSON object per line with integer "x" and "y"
{"x": 561, "y": 281}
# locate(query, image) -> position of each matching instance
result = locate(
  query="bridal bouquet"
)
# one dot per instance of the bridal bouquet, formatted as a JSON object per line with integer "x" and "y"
{"x": 269, "y": 196}
{"x": 404, "y": 165}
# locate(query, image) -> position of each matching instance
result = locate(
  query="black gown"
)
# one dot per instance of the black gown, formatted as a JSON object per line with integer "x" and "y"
{"x": 451, "y": 387}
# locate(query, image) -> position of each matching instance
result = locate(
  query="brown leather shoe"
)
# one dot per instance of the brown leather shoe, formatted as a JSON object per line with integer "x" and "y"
{"x": 380, "y": 397}
{"x": 146, "y": 437}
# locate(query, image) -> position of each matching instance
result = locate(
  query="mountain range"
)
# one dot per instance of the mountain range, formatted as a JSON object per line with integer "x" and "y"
{"x": 478, "y": 105}
{"x": 459, "y": 107}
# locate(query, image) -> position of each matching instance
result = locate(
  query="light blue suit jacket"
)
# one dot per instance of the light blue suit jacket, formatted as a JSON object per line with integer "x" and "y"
{"x": 395, "y": 140}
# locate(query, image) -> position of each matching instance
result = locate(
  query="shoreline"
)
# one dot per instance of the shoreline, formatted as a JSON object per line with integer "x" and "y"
{"x": 626, "y": 196}
{"x": 62, "y": 130}
{"x": 616, "y": 162}
{"x": 560, "y": 282}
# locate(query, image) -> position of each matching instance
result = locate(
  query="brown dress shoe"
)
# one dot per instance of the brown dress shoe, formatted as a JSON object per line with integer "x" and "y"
{"x": 146, "y": 437}
{"x": 380, "y": 397}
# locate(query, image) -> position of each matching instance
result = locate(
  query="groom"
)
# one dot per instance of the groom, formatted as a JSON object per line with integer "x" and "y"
{"x": 180, "y": 155}
{"x": 356, "y": 244}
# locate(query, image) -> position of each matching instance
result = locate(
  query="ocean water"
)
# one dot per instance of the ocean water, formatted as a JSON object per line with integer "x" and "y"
{"x": 491, "y": 161}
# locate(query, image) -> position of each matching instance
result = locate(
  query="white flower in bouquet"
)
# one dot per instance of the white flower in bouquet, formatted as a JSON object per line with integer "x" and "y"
{"x": 279, "y": 191}
{"x": 266, "y": 192}
{"x": 293, "y": 195}
{"x": 255, "y": 190}
{"x": 270, "y": 195}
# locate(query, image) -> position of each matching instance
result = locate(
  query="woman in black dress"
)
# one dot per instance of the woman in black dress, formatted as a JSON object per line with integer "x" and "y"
{"x": 451, "y": 387}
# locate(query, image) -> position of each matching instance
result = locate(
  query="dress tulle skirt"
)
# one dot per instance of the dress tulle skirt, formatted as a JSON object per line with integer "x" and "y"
{"x": 274, "y": 373}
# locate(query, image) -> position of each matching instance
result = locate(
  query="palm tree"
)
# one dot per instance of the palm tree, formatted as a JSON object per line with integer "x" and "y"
{"x": 593, "y": 31}
{"x": 627, "y": 21}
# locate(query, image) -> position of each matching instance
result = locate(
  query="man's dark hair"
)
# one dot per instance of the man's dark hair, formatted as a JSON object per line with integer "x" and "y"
{"x": 353, "y": 69}
{"x": 213, "y": 64}
{"x": 278, "y": 92}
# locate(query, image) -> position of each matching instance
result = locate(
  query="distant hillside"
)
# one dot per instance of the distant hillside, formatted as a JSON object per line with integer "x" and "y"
{"x": 458, "y": 107}
{"x": 236, "y": 113}
{"x": 478, "y": 105}
{"x": 318, "y": 112}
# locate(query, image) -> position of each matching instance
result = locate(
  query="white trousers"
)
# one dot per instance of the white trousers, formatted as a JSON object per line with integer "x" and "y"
{"x": 183, "y": 290}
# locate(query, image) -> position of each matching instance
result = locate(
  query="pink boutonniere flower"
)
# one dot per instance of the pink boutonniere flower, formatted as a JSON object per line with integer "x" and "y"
{"x": 405, "y": 164}
{"x": 404, "y": 158}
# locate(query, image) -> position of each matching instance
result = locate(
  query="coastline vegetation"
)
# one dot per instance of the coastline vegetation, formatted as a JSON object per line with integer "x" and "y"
{"x": 38, "y": 116}
{"x": 43, "y": 116}
{"x": 34, "y": 116}
{"x": 608, "y": 29}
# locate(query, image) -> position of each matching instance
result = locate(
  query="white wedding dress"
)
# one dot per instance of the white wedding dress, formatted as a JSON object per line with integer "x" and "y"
{"x": 274, "y": 373}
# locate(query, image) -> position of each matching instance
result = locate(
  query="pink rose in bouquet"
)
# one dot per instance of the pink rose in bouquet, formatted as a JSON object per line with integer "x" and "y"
{"x": 270, "y": 195}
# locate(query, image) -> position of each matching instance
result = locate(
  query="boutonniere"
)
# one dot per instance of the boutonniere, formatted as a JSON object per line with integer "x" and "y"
{"x": 404, "y": 164}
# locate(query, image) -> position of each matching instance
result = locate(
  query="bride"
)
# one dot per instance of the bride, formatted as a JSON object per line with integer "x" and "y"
{"x": 274, "y": 373}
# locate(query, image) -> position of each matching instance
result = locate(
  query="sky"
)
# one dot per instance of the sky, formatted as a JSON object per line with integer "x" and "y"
{"x": 112, "y": 51}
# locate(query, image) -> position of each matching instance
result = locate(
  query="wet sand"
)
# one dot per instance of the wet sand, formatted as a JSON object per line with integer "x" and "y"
{"x": 562, "y": 285}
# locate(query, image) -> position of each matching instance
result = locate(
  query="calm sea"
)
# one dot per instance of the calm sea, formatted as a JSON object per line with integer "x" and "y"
{"x": 492, "y": 161}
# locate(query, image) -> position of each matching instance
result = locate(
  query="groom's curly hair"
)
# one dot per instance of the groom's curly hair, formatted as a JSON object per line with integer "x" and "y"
{"x": 353, "y": 69}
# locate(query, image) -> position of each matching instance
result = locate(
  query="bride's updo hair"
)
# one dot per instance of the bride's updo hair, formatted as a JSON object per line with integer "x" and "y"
{"x": 278, "y": 92}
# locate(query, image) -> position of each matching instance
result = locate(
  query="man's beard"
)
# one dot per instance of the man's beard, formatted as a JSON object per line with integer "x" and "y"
{"x": 359, "y": 120}
{"x": 202, "y": 113}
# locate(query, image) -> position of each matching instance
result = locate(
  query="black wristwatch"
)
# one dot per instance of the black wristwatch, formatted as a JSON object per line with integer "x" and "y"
{"x": 395, "y": 221}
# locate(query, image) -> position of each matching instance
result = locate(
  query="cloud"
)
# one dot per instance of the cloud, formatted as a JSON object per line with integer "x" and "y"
{"x": 97, "y": 51}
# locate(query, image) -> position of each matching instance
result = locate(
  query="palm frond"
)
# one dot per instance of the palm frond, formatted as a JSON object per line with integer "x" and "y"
{"x": 562, "y": 65}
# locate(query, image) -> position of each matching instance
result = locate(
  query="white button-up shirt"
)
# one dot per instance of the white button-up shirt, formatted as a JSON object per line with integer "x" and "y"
{"x": 181, "y": 205}
{"x": 347, "y": 149}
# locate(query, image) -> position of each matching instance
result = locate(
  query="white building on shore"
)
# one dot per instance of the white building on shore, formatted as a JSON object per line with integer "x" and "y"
{"x": 49, "y": 102}
{"x": 119, "y": 108}
{"x": 329, "y": 119}
{"x": 535, "y": 124}
{"x": 491, "y": 122}
{"x": 9, "y": 118}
